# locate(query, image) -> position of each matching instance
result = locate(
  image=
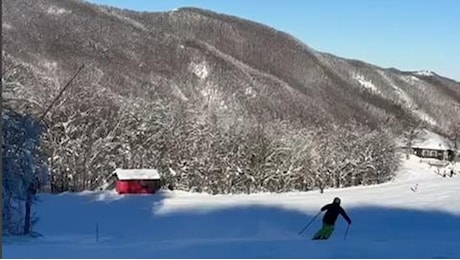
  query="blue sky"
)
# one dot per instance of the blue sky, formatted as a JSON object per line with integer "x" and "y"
{"x": 405, "y": 34}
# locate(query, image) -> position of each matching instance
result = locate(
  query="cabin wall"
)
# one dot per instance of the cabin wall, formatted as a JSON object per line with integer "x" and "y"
{"x": 137, "y": 186}
{"x": 433, "y": 153}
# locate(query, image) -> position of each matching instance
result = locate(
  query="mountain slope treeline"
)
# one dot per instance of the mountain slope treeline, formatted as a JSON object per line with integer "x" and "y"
{"x": 217, "y": 103}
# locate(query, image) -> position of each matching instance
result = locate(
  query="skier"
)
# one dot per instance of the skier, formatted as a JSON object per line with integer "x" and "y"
{"x": 333, "y": 211}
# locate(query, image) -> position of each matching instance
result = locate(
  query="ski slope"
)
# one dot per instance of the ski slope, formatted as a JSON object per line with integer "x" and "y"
{"x": 415, "y": 216}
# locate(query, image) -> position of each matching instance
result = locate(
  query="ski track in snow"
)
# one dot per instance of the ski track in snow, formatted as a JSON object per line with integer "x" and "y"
{"x": 390, "y": 220}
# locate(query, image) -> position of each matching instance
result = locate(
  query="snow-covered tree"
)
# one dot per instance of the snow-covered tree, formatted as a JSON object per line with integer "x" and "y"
{"x": 23, "y": 165}
{"x": 411, "y": 135}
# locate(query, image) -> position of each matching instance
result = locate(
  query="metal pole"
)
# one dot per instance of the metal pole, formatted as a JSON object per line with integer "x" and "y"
{"x": 61, "y": 92}
{"x": 309, "y": 223}
{"x": 346, "y": 232}
{"x": 97, "y": 232}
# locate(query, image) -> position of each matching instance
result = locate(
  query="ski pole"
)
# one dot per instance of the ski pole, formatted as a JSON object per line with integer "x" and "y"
{"x": 309, "y": 223}
{"x": 346, "y": 232}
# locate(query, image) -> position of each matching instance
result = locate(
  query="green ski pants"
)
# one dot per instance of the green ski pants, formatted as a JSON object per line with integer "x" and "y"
{"x": 325, "y": 232}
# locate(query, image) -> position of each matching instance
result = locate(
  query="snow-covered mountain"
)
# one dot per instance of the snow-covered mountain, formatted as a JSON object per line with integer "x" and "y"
{"x": 425, "y": 73}
{"x": 220, "y": 100}
{"x": 213, "y": 60}
{"x": 415, "y": 216}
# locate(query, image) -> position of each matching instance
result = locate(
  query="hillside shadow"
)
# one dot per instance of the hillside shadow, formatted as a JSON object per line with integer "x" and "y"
{"x": 272, "y": 232}
{"x": 256, "y": 217}
{"x": 81, "y": 213}
{"x": 130, "y": 228}
{"x": 402, "y": 224}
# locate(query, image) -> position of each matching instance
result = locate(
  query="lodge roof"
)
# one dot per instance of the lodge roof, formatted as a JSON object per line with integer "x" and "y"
{"x": 432, "y": 141}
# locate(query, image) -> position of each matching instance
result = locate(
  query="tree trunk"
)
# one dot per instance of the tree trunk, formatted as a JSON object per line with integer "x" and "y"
{"x": 31, "y": 191}
{"x": 337, "y": 180}
{"x": 27, "y": 215}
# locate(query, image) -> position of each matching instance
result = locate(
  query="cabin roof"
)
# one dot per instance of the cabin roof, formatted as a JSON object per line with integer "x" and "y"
{"x": 433, "y": 141}
{"x": 137, "y": 174}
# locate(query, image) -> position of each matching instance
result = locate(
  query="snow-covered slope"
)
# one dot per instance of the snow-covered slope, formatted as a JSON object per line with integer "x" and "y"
{"x": 415, "y": 216}
{"x": 397, "y": 194}
{"x": 424, "y": 73}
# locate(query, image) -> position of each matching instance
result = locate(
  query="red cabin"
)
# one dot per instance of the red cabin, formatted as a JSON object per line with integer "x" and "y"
{"x": 135, "y": 181}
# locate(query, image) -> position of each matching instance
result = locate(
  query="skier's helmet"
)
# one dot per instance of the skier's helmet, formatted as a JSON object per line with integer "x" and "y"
{"x": 337, "y": 200}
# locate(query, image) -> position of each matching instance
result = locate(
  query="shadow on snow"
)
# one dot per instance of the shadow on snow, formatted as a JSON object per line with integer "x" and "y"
{"x": 129, "y": 228}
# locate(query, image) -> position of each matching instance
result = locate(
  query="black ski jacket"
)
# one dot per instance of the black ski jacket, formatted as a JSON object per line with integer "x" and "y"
{"x": 333, "y": 211}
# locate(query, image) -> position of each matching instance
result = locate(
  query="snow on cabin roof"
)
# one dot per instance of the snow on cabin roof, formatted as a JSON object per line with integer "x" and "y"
{"x": 137, "y": 174}
{"x": 431, "y": 140}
